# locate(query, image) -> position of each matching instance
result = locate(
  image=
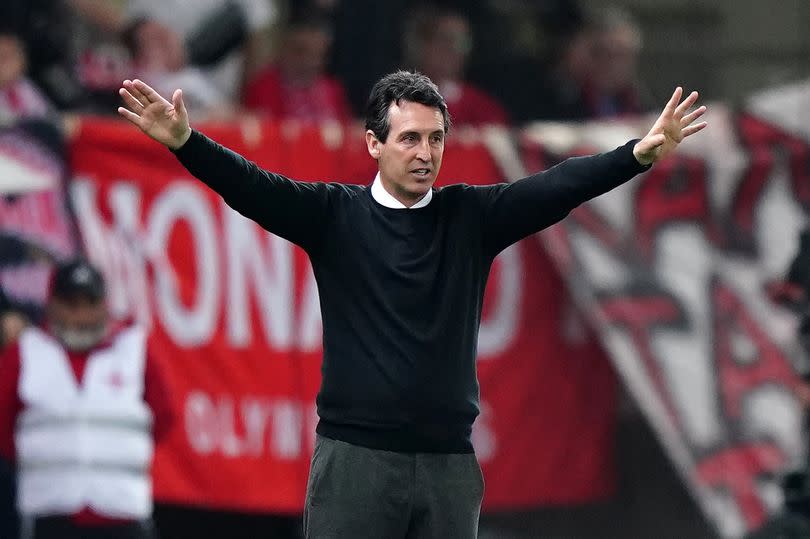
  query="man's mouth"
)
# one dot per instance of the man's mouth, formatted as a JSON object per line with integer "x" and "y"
{"x": 421, "y": 171}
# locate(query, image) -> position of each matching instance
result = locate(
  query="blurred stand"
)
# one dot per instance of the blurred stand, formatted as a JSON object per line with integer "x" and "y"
{"x": 651, "y": 501}
{"x": 794, "y": 293}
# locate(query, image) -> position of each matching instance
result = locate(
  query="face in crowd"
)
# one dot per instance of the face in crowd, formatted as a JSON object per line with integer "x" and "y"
{"x": 304, "y": 53}
{"x": 77, "y": 309}
{"x": 444, "y": 47}
{"x": 12, "y": 60}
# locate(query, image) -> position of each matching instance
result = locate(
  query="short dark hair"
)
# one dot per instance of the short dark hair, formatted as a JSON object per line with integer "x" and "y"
{"x": 401, "y": 86}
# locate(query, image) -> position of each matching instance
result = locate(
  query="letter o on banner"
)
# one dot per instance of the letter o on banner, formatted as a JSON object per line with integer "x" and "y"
{"x": 195, "y": 325}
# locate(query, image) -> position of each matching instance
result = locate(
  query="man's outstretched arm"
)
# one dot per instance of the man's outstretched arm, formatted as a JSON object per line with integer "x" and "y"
{"x": 296, "y": 211}
{"x": 513, "y": 211}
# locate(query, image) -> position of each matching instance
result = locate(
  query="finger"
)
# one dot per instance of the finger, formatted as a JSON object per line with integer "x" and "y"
{"x": 686, "y": 105}
{"x": 151, "y": 95}
{"x": 673, "y": 101}
{"x": 692, "y": 116}
{"x": 130, "y": 87}
{"x": 692, "y": 129}
{"x": 130, "y": 101}
{"x": 129, "y": 115}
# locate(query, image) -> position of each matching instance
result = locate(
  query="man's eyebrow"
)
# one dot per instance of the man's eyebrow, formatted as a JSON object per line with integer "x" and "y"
{"x": 418, "y": 133}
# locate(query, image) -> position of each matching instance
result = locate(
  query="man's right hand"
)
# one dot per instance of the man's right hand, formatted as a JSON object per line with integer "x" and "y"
{"x": 165, "y": 122}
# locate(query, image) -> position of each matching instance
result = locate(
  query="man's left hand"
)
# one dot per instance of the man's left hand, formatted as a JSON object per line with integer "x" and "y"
{"x": 670, "y": 129}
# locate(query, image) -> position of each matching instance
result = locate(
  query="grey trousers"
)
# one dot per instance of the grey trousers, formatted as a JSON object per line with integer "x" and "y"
{"x": 360, "y": 493}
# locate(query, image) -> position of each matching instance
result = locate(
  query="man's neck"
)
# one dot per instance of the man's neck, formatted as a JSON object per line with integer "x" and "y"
{"x": 390, "y": 198}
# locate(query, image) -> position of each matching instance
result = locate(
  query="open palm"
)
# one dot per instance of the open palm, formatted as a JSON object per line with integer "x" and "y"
{"x": 670, "y": 128}
{"x": 164, "y": 121}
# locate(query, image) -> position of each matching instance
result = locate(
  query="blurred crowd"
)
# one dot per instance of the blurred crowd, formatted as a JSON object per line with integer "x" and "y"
{"x": 315, "y": 60}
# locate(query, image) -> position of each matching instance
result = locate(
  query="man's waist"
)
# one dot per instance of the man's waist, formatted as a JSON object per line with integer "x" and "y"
{"x": 452, "y": 437}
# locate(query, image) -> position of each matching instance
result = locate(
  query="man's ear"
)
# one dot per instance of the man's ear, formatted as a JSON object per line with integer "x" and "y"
{"x": 373, "y": 144}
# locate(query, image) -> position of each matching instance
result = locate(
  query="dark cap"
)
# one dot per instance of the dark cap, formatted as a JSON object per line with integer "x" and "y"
{"x": 77, "y": 278}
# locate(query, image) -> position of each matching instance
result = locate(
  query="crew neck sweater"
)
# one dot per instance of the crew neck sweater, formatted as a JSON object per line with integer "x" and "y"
{"x": 401, "y": 290}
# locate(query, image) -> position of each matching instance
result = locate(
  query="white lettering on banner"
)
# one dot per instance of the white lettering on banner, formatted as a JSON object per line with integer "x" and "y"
{"x": 248, "y": 426}
{"x": 499, "y": 329}
{"x": 114, "y": 248}
{"x": 126, "y": 260}
{"x": 270, "y": 279}
{"x": 183, "y": 201}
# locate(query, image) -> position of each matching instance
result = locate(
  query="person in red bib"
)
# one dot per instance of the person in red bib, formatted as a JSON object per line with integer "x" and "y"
{"x": 81, "y": 406}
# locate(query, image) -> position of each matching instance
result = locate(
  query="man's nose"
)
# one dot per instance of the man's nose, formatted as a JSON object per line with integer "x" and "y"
{"x": 424, "y": 151}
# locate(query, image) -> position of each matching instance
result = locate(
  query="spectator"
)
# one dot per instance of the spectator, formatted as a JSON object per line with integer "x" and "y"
{"x": 19, "y": 97}
{"x": 438, "y": 43}
{"x": 594, "y": 74}
{"x": 81, "y": 403}
{"x": 614, "y": 88}
{"x": 208, "y": 47}
{"x": 296, "y": 85}
{"x": 44, "y": 30}
{"x": 159, "y": 55}
{"x": 100, "y": 54}
{"x": 378, "y": 45}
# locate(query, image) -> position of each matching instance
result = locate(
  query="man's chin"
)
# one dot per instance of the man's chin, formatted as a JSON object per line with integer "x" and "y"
{"x": 421, "y": 185}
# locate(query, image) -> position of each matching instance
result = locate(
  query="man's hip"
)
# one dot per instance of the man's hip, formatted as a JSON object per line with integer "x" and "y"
{"x": 359, "y": 492}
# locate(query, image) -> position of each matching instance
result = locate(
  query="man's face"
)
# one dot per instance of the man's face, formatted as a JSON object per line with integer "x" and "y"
{"x": 303, "y": 57}
{"x": 12, "y": 60}
{"x": 445, "y": 49}
{"x": 617, "y": 53}
{"x": 410, "y": 158}
{"x": 80, "y": 322}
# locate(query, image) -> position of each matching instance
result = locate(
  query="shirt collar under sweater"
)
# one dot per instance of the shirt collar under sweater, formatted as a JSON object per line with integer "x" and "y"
{"x": 385, "y": 198}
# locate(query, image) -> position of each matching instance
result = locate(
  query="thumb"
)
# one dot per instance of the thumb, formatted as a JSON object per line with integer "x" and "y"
{"x": 655, "y": 141}
{"x": 179, "y": 105}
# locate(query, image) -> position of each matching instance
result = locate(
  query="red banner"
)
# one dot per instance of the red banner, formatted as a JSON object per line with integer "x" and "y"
{"x": 235, "y": 320}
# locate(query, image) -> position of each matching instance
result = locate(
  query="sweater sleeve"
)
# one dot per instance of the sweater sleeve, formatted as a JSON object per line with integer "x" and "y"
{"x": 513, "y": 211}
{"x": 297, "y": 211}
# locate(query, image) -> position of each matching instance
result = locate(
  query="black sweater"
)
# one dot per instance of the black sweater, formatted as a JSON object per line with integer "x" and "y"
{"x": 401, "y": 289}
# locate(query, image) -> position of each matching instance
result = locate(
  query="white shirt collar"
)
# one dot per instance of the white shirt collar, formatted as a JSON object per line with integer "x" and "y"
{"x": 386, "y": 199}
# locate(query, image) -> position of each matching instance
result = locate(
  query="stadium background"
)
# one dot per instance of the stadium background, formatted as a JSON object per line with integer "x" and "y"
{"x": 747, "y": 58}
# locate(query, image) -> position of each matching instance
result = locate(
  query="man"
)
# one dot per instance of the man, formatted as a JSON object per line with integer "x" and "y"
{"x": 19, "y": 97}
{"x": 438, "y": 42}
{"x": 401, "y": 269}
{"x": 296, "y": 86}
{"x": 614, "y": 88}
{"x": 218, "y": 41}
{"x": 77, "y": 402}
